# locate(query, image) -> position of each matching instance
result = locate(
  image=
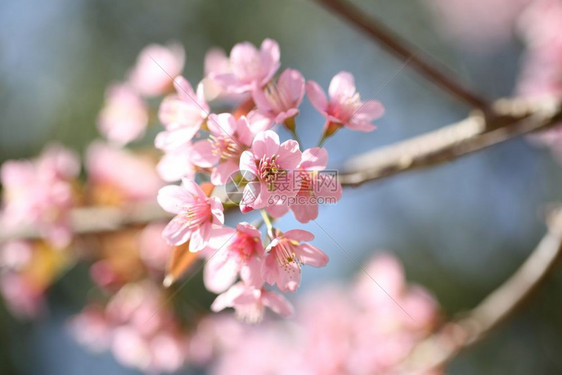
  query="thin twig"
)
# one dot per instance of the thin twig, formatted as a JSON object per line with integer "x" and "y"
{"x": 380, "y": 34}
{"x": 441, "y": 347}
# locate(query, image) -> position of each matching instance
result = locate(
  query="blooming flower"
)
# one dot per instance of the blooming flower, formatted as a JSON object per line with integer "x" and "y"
{"x": 124, "y": 116}
{"x": 229, "y": 138}
{"x": 345, "y": 107}
{"x": 249, "y": 68}
{"x": 315, "y": 187}
{"x": 195, "y": 213}
{"x": 280, "y": 101}
{"x": 271, "y": 166}
{"x": 182, "y": 115}
{"x": 285, "y": 256}
{"x": 250, "y": 303}
{"x": 177, "y": 163}
{"x": 234, "y": 252}
{"x": 155, "y": 68}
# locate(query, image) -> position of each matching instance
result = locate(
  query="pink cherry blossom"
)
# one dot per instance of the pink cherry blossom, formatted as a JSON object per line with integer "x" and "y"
{"x": 217, "y": 63}
{"x": 177, "y": 164}
{"x": 182, "y": 115}
{"x": 344, "y": 108}
{"x": 221, "y": 151}
{"x": 250, "y": 68}
{"x": 153, "y": 250}
{"x": 156, "y": 67}
{"x": 39, "y": 192}
{"x": 116, "y": 171}
{"x": 286, "y": 254}
{"x": 234, "y": 252}
{"x": 316, "y": 187}
{"x": 22, "y": 298}
{"x": 250, "y": 303}
{"x": 195, "y": 214}
{"x": 271, "y": 166}
{"x": 124, "y": 116}
{"x": 482, "y": 23}
{"x": 91, "y": 329}
{"x": 280, "y": 101}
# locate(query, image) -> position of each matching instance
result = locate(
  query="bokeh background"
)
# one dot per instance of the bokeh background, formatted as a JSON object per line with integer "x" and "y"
{"x": 460, "y": 229}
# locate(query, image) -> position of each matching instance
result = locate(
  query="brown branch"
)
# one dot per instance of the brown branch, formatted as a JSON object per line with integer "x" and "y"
{"x": 380, "y": 34}
{"x": 512, "y": 117}
{"x": 443, "y": 346}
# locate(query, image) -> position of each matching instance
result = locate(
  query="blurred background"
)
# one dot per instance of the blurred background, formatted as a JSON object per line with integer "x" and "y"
{"x": 460, "y": 229}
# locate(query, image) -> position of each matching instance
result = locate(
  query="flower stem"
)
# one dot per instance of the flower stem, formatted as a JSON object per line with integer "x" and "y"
{"x": 267, "y": 221}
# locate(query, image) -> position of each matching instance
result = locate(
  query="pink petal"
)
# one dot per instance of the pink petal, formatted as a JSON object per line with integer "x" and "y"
{"x": 289, "y": 155}
{"x": 277, "y": 303}
{"x": 220, "y": 271}
{"x": 299, "y": 235}
{"x": 369, "y": 111}
{"x": 360, "y": 126}
{"x": 250, "y": 273}
{"x": 342, "y": 86}
{"x": 217, "y": 209}
{"x": 278, "y": 210}
{"x": 248, "y": 163}
{"x": 317, "y": 96}
{"x": 193, "y": 189}
{"x": 200, "y": 238}
{"x": 202, "y": 154}
{"x": 173, "y": 198}
{"x": 222, "y": 124}
{"x": 313, "y": 159}
{"x": 223, "y": 171}
{"x": 291, "y": 83}
{"x": 177, "y": 231}
{"x": 265, "y": 144}
{"x": 311, "y": 255}
{"x": 305, "y": 212}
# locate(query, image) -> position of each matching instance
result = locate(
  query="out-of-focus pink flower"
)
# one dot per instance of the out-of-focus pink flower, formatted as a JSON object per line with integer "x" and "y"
{"x": 486, "y": 23}
{"x": 182, "y": 115}
{"x": 195, "y": 214}
{"x": 340, "y": 329}
{"x": 541, "y": 23}
{"x": 344, "y": 108}
{"x": 271, "y": 166}
{"x": 156, "y": 67}
{"x": 286, "y": 254}
{"x": 250, "y": 303}
{"x": 22, "y": 298}
{"x": 234, "y": 252}
{"x": 250, "y": 68}
{"x": 221, "y": 151}
{"x": 120, "y": 172}
{"x": 177, "y": 164}
{"x": 316, "y": 187}
{"x": 124, "y": 116}
{"x": 15, "y": 255}
{"x": 39, "y": 192}
{"x": 91, "y": 329}
{"x": 280, "y": 101}
{"x": 153, "y": 250}
{"x": 217, "y": 63}
{"x": 138, "y": 327}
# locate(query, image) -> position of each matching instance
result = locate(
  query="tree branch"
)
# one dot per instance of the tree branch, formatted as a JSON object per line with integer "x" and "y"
{"x": 452, "y": 338}
{"x": 514, "y": 117}
{"x": 399, "y": 48}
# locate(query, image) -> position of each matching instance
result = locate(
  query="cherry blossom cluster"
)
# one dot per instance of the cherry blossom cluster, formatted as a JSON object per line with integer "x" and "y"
{"x": 209, "y": 150}
{"x": 339, "y": 329}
